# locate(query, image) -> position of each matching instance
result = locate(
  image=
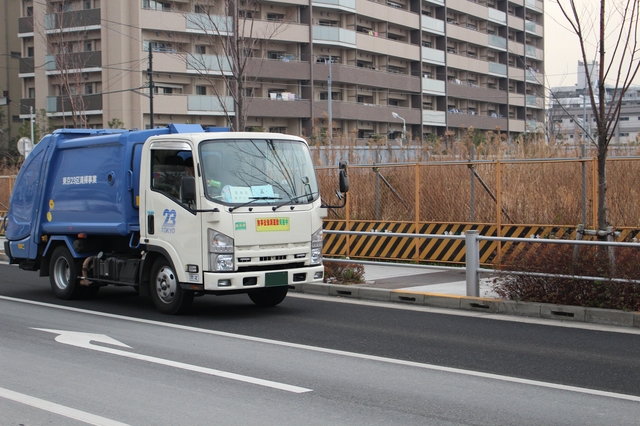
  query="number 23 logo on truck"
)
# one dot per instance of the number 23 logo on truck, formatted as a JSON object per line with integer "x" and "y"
{"x": 170, "y": 216}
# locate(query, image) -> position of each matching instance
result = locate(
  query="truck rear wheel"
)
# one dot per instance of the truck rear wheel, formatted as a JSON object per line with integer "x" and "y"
{"x": 268, "y": 296}
{"x": 166, "y": 292}
{"x": 63, "y": 274}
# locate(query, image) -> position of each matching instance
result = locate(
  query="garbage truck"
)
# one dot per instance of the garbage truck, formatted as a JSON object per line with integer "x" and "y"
{"x": 174, "y": 212}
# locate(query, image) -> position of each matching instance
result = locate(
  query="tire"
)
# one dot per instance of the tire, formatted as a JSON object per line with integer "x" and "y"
{"x": 166, "y": 293}
{"x": 269, "y": 296}
{"x": 63, "y": 274}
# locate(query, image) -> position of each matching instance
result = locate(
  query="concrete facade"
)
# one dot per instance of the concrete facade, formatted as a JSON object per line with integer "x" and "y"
{"x": 442, "y": 66}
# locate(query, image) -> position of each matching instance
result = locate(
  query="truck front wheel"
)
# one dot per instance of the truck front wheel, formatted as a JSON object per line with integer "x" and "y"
{"x": 268, "y": 296}
{"x": 63, "y": 274}
{"x": 166, "y": 292}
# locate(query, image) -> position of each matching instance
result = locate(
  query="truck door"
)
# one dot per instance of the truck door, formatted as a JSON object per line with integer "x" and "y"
{"x": 171, "y": 223}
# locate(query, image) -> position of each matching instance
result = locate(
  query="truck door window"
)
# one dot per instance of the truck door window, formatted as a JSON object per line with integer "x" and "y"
{"x": 168, "y": 167}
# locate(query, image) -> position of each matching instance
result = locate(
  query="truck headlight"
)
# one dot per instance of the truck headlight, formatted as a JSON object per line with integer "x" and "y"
{"x": 220, "y": 251}
{"x": 316, "y": 247}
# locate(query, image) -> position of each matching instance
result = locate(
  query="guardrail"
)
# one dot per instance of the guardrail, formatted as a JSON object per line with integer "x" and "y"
{"x": 472, "y": 255}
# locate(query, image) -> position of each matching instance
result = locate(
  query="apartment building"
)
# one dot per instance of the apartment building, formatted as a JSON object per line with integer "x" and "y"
{"x": 441, "y": 66}
{"x": 10, "y": 54}
{"x": 570, "y": 108}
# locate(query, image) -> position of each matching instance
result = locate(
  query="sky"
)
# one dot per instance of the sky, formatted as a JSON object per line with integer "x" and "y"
{"x": 562, "y": 51}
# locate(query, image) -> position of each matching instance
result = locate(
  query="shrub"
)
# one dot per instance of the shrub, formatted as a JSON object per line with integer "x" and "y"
{"x": 343, "y": 273}
{"x": 559, "y": 259}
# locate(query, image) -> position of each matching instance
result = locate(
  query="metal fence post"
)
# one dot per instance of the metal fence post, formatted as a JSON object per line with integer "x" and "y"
{"x": 472, "y": 262}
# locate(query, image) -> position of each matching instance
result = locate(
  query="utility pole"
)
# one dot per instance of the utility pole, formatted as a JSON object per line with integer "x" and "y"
{"x": 150, "y": 73}
{"x": 329, "y": 103}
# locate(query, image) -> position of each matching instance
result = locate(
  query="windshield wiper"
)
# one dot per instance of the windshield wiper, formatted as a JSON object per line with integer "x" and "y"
{"x": 292, "y": 199}
{"x": 253, "y": 200}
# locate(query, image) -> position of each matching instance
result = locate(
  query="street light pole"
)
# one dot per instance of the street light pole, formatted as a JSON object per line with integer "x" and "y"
{"x": 404, "y": 126}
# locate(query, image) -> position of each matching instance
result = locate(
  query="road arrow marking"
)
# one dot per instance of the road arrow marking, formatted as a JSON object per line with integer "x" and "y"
{"x": 84, "y": 340}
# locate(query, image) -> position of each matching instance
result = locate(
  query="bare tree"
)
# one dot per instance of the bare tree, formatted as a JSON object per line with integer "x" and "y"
{"x": 619, "y": 62}
{"x": 234, "y": 33}
{"x": 66, "y": 50}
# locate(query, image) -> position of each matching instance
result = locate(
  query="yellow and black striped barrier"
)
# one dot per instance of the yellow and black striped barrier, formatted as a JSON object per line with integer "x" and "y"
{"x": 437, "y": 250}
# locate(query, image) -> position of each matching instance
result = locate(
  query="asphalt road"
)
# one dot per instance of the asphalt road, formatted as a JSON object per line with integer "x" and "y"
{"x": 308, "y": 361}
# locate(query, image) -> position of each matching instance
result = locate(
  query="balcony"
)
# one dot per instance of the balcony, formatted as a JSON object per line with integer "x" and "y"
{"x": 432, "y": 86}
{"x": 202, "y": 23}
{"x": 210, "y": 105}
{"x": 533, "y": 28}
{"x": 432, "y": 25}
{"x": 480, "y": 94}
{"x": 25, "y": 25}
{"x": 433, "y": 56}
{"x": 26, "y": 104}
{"x": 368, "y": 77}
{"x": 497, "y": 16}
{"x": 280, "y": 69}
{"x": 385, "y": 46}
{"x": 76, "y": 19}
{"x": 208, "y": 64}
{"x": 26, "y": 66}
{"x": 483, "y": 122}
{"x": 74, "y": 61}
{"x": 534, "y": 52}
{"x": 534, "y": 101}
{"x": 342, "y": 110}
{"x": 264, "y": 107}
{"x": 516, "y": 99}
{"x": 497, "y": 42}
{"x": 334, "y": 35}
{"x": 84, "y": 103}
{"x": 344, "y": 5}
{"x": 536, "y": 5}
{"x": 434, "y": 118}
{"x": 534, "y": 77}
{"x": 498, "y": 69}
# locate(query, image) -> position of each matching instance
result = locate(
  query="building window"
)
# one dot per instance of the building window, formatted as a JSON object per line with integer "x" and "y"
{"x": 88, "y": 89}
{"x": 156, "y": 5}
{"x": 624, "y": 118}
{"x": 31, "y": 92}
{"x": 201, "y": 90}
{"x": 198, "y": 8}
{"x": 201, "y": 49}
{"x": 275, "y": 17}
{"x": 29, "y": 11}
{"x": 30, "y": 52}
{"x": 87, "y": 4}
{"x": 277, "y": 130}
{"x": 88, "y": 46}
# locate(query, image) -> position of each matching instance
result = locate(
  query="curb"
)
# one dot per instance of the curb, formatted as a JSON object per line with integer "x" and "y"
{"x": 478, "y": 304}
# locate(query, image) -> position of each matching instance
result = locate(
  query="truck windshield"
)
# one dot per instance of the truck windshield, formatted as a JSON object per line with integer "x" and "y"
{"x": 258, "y": 171}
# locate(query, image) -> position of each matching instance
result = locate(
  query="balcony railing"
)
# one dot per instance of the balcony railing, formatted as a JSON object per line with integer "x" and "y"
{"x": 496, "y": 68}
{"x": 334, "y": 34}
{"x": 73, "y": 19}
{"x": 81, "y": 103}
{"x": 210, "y": 104}
{"x": 74, "y": 61}
{"x": 208, "y": 63}
{"x": 25, "y": 25}
{"x": 346, "y": 5}
{"x": 219, "y": 25}
{"x": 26, "y": 66}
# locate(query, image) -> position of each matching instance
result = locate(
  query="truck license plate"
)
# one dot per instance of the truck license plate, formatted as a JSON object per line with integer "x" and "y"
{"x": 272, "y": 279}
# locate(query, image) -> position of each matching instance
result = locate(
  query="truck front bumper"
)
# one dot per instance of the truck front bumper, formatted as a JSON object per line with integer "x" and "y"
{"x": 235, "y": 281}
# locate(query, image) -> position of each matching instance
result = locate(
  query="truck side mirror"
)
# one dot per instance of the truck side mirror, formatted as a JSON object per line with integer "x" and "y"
{"x": 188, "y": 189}
{"x": 344, "y": 178}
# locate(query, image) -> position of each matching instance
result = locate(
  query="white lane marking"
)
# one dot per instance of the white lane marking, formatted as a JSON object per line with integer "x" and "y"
{"x": 61, "y": 410}
{"x": 472, "y": 314}
{"x": 339, "y": 352}
{"x": 83, "y": 340}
